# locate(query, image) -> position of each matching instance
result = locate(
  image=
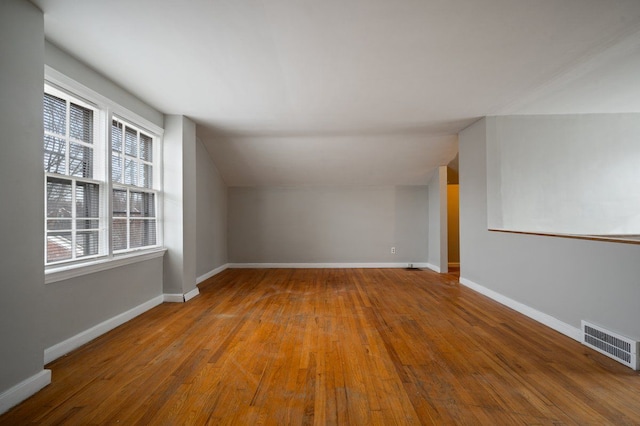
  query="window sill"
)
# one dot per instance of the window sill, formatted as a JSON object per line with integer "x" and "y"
{"x": 66, "y": 272}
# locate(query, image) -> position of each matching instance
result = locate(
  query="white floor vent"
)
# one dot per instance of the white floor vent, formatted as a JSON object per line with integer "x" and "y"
{"x": 613, "y": 345}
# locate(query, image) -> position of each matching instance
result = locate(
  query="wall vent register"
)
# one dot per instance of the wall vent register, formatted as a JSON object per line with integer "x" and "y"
{"x": 620, "y": 348}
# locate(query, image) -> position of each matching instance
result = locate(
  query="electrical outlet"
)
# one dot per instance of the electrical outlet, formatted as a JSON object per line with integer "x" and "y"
{"x": 393, "y": 250}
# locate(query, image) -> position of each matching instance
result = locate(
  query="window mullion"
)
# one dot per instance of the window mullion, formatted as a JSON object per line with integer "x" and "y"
{"x": 74, "y": 216}
{"x": 138, "y": 165}
{"x": 46, "y": 221}
{"x": 108, "y": 203}
{"x": 67, "y": 138}
{"x": 128, "y": 219}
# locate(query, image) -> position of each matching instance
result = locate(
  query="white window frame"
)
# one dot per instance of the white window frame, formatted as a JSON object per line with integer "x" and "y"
{"x": 73, "y": 221}
{"x": 108, "y": 110}
{"x": 156, "y": 177}
{"x": 98, "y": 176}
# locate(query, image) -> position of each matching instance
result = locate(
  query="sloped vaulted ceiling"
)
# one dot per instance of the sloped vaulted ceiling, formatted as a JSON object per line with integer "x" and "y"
{"x": 301, "y": 92}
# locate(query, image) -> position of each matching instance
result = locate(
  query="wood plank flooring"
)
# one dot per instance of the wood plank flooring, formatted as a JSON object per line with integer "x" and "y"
{"x": 333, "y": 346}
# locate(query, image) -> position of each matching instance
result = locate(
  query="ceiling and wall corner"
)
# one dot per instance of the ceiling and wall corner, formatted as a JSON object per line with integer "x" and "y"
{"x": 332, "y": 93}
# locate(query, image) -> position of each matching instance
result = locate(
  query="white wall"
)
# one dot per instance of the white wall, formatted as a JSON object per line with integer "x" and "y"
{"x": 327, "y": 224}
{"x": 567, "y": 279}
{"x": 211, "y": 214}
{"x": 78, "y": 71}
{"x": 438, "y": 232}
{"x": 75, "y": 305}
{"x": 571, "y": 174}
{"x": 179, "y": 204}
{"x": 22, "y": 194}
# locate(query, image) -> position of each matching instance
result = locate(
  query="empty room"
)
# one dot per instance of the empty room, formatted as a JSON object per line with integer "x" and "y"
{"x": 301, "y": 212}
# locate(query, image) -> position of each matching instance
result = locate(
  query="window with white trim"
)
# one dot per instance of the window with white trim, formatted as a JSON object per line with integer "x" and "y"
{"x": 133, "y": 198}
{"x": 101, "y": 184}
{"x": 74, "y": 221}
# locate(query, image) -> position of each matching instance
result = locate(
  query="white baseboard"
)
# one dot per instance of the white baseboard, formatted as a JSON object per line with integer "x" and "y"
{"x": 211, "y": 273}
{"x": 23, "y": 390}
{"x": 541, "y": 317}
{"x": 433, "y": 267}
{"x": 322, "y": 265}
{"x": 190, "y": 295}
{"x": 173, "y": 298}
{"x": 66, "y": 346}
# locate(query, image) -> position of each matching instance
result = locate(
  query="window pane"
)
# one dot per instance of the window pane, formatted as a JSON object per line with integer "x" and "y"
{"x": 87, "y": 243}
{"x": 55, "y": 114}
{"x": 130, "y": 172}
{"x": 146, "y": 146}
{"x": 81, "y": 123}
{"x": 87, "y": 224}
{"x": 87, "y": 200}
{"x": 116, "y": 169}
{"x": 59, "y": 225}
{"x": 54, "y": 155}
{"x": 80, "y": 160}
{"x": 142, "y": 233}
{"x": 146, "y": 176}
{"x": 116, "y": 136}
{"x": 119, "y": 234}
{"x": 119, "y": 202}
{"x": 142, "y": 204}
{"x": 131, "y": 142}
{"x": 58, "y": 246}
{"x": 58, "y": 197}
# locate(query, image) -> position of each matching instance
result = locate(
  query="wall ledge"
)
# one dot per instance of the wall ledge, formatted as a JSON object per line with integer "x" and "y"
{"x": 65, "y": 272}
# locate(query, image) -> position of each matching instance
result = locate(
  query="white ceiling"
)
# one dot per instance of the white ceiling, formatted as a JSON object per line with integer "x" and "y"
{"x": 301, "y": 92}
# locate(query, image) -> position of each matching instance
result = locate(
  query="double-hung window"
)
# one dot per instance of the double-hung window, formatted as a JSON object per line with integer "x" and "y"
{"x": 101, "y": 181}
{"x": 75, "y": 226}
{"x": 133, "y": 197}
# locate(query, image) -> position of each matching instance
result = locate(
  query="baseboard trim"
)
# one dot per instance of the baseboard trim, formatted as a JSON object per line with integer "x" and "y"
{"x": 23, "y": 390}
{"x": 541, "y": 317}
{"x": 173, "y": 298}
{"x": 211, "y": 273}
{"x": 56, "y": 351}
{"x": 321, "y": 265}
{"x": 454, "y": 264}
{"x": 433, "y": 267}
{"x": 190, "y": 295}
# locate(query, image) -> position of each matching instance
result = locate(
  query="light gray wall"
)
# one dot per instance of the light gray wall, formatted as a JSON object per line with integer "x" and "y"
{"x": 179, "y": 204}
{"x": 569, "y": 279}
{"x": 77, "y": 304}
{"x": 438, "y": 234}
{"x": 211, "y": 214}
{"x": 59, "y": 60}
{"x": 571, "y": 174}
{"x": 21, "y": 192}
{"x": 327, "y": 224}
{"x": 80, "y": 303}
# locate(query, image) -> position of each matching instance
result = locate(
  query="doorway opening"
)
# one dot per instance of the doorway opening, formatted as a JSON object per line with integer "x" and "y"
{"x": 453, "y": 217}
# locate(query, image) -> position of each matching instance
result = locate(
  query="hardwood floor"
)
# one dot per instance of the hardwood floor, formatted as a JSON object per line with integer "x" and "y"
{"x": 334, "y": 346}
